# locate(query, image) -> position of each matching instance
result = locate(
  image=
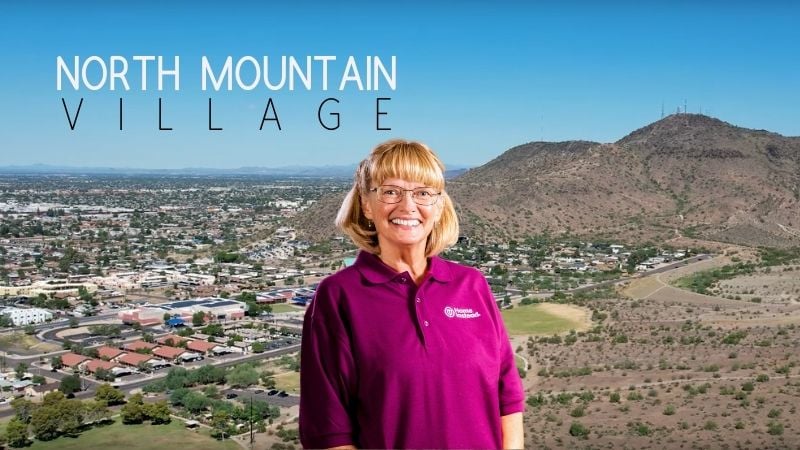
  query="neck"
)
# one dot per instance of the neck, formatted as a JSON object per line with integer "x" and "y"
{"x": 410, "y": 260}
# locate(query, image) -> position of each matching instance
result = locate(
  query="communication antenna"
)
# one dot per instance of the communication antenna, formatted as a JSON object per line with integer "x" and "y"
{"x": 685, "y": 111}
{"x": 662, "y": 109}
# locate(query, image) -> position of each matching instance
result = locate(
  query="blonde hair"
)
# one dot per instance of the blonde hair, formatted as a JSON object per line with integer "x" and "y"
{"x": 407, "y": 160}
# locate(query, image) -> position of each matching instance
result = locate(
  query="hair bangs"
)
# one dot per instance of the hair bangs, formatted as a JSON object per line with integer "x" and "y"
{"x": 411, "y": 162}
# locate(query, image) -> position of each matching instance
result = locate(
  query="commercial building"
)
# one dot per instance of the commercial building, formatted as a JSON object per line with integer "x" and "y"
{"x": 57, "y": 288}
{"x": 213, "y": 307}
{"x": 27, "y": 316}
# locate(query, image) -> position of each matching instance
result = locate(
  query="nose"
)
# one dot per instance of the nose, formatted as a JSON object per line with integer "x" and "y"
{"x": 408, "y": 201}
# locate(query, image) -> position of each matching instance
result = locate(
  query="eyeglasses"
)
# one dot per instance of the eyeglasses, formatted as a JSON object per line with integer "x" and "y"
{"x": 423, "y": 196}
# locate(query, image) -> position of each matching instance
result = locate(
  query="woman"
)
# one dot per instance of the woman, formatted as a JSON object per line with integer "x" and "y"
{"x": 404, "y": 349}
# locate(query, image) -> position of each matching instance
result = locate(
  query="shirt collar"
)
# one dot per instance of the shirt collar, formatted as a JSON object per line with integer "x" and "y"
{"x": 376, "y": 272}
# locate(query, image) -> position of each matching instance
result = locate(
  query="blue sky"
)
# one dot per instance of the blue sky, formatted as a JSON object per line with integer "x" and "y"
{"x": 473, "y": 79}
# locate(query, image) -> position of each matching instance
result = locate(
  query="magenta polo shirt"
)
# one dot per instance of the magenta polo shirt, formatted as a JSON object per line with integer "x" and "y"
{"x": 389, "y": 364}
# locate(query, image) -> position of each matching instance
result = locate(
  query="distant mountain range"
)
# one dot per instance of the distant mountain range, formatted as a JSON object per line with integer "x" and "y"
{"x": 339, "y": 171}
{"x": 686, "y": 175}
{"x": 305, "y": 171}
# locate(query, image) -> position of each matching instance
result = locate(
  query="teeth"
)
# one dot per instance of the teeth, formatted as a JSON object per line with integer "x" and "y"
{"x": 408, "y": 223}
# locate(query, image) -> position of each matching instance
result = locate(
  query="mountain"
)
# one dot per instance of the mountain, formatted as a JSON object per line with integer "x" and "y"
{"x": 686, "y": 175}
{"x": 343, "y": 171}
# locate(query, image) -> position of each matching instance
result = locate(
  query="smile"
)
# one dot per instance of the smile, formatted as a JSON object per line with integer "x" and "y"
{"x": 406, "y": 222}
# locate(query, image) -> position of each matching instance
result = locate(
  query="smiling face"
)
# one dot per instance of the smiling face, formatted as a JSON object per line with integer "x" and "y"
{"x": 401, "y": 226}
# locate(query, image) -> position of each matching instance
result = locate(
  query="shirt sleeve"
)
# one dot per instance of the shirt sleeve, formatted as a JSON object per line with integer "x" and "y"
{"x": 327, "y": 372}
{"x": 512, "y": 396}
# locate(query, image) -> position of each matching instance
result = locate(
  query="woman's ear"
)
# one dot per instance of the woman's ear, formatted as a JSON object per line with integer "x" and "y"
{"x": 366, "y": 208}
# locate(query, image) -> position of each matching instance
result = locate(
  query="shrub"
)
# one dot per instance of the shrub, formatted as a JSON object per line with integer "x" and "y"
{"x": 642, "y": 429}
{"x": 669, "y": 410}
{"x": 580, "y": 411}
{"x": 578, "y": 430}
{"x": 775, "y": 428}
{"x": 634, "y": 396}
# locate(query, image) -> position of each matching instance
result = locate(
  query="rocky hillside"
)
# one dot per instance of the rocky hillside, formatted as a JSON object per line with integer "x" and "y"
{"x": 685, "y": 175}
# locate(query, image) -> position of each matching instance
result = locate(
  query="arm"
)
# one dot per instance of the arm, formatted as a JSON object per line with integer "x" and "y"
{"x": 327, "y": 374}
{"x": 512, "y": 396}
{"x": 513, "y": 433}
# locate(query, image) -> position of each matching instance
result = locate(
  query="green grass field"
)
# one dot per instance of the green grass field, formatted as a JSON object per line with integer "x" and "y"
{"x": 138, "y": 437}
{"x": 284, "y": 307}
{"x": 288, "y": 381}
{"x": 530, "y": 319}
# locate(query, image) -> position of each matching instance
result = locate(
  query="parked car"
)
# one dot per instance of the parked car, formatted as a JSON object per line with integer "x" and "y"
{"x": 231, "y": 395}
{"x": 282, "y": 394}
{"x": 272, "y": 392}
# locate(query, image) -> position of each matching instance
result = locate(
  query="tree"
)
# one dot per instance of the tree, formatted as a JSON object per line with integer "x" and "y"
{"x": 177, "y": 396}
{"x": 17, "y": 433}
{"x": 219, "y": 423}
{"x": 30, "y": 329}
{"x": 207, "y": 375}
{"x": 71, "y": 414}
{"x": 5, "y": 321}
{"x": 214, "y": 329}
{"x": 195, "y": 401}
{"x": 73, "y": 322}
{"x": 104, "y": 374}
{"x": 198, "y": 318}
{"x": 242, "y": 375}
{"x": 96, "y": 411}
{"x": 20, "y": 371}
{"x": 133, "y": 411}
{"x": 56, "y": 362}
{"x": 22, "y": 409}
{"x": 185, "y": 332}
{"x": 258, "y": 347}
{"x": 158, "y": 413}
{"x": 38, "y": 379}
{"x": 45, "y": 422}
{"x": 70, "y": 384}
{"x": 109, "y": 394}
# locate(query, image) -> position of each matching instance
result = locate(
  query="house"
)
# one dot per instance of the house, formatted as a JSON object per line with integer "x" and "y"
{"x": 139, "y": 345}
{"x": 173, "y": 338}
{"x": 109, "y": 353}
{"x": 134, "y": 359}
{"x": 73, "y": 360}
{"x": 168, "y": 353}
{"x": 201, "y": 347}
{"x": 37, "y": 392}
{"x": 242, "y": 347}
{"x": 95, "y": 364}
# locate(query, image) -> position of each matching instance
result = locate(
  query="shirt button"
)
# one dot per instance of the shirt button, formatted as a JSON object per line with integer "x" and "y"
{"x": 426, "y": 323}
{"x": 402, "y": 280}
{"x": 419, "y": 300}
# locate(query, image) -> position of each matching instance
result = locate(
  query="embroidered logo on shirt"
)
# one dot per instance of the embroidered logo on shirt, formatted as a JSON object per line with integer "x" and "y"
{"x": 461, "y": 313}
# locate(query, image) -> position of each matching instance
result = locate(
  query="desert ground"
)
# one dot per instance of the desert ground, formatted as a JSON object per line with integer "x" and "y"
{"x": 662, "y": 367}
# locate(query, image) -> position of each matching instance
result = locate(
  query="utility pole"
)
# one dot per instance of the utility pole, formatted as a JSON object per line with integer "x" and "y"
{"x": 252, "y": 437}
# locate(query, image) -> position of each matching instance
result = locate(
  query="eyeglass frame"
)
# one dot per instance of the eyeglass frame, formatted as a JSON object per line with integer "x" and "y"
{"x": 436, "y": 195}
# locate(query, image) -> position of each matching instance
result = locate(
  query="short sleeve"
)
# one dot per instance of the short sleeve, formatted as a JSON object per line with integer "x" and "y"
{"x": 512, "y": 396}
{"x": 327, "y": 373}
